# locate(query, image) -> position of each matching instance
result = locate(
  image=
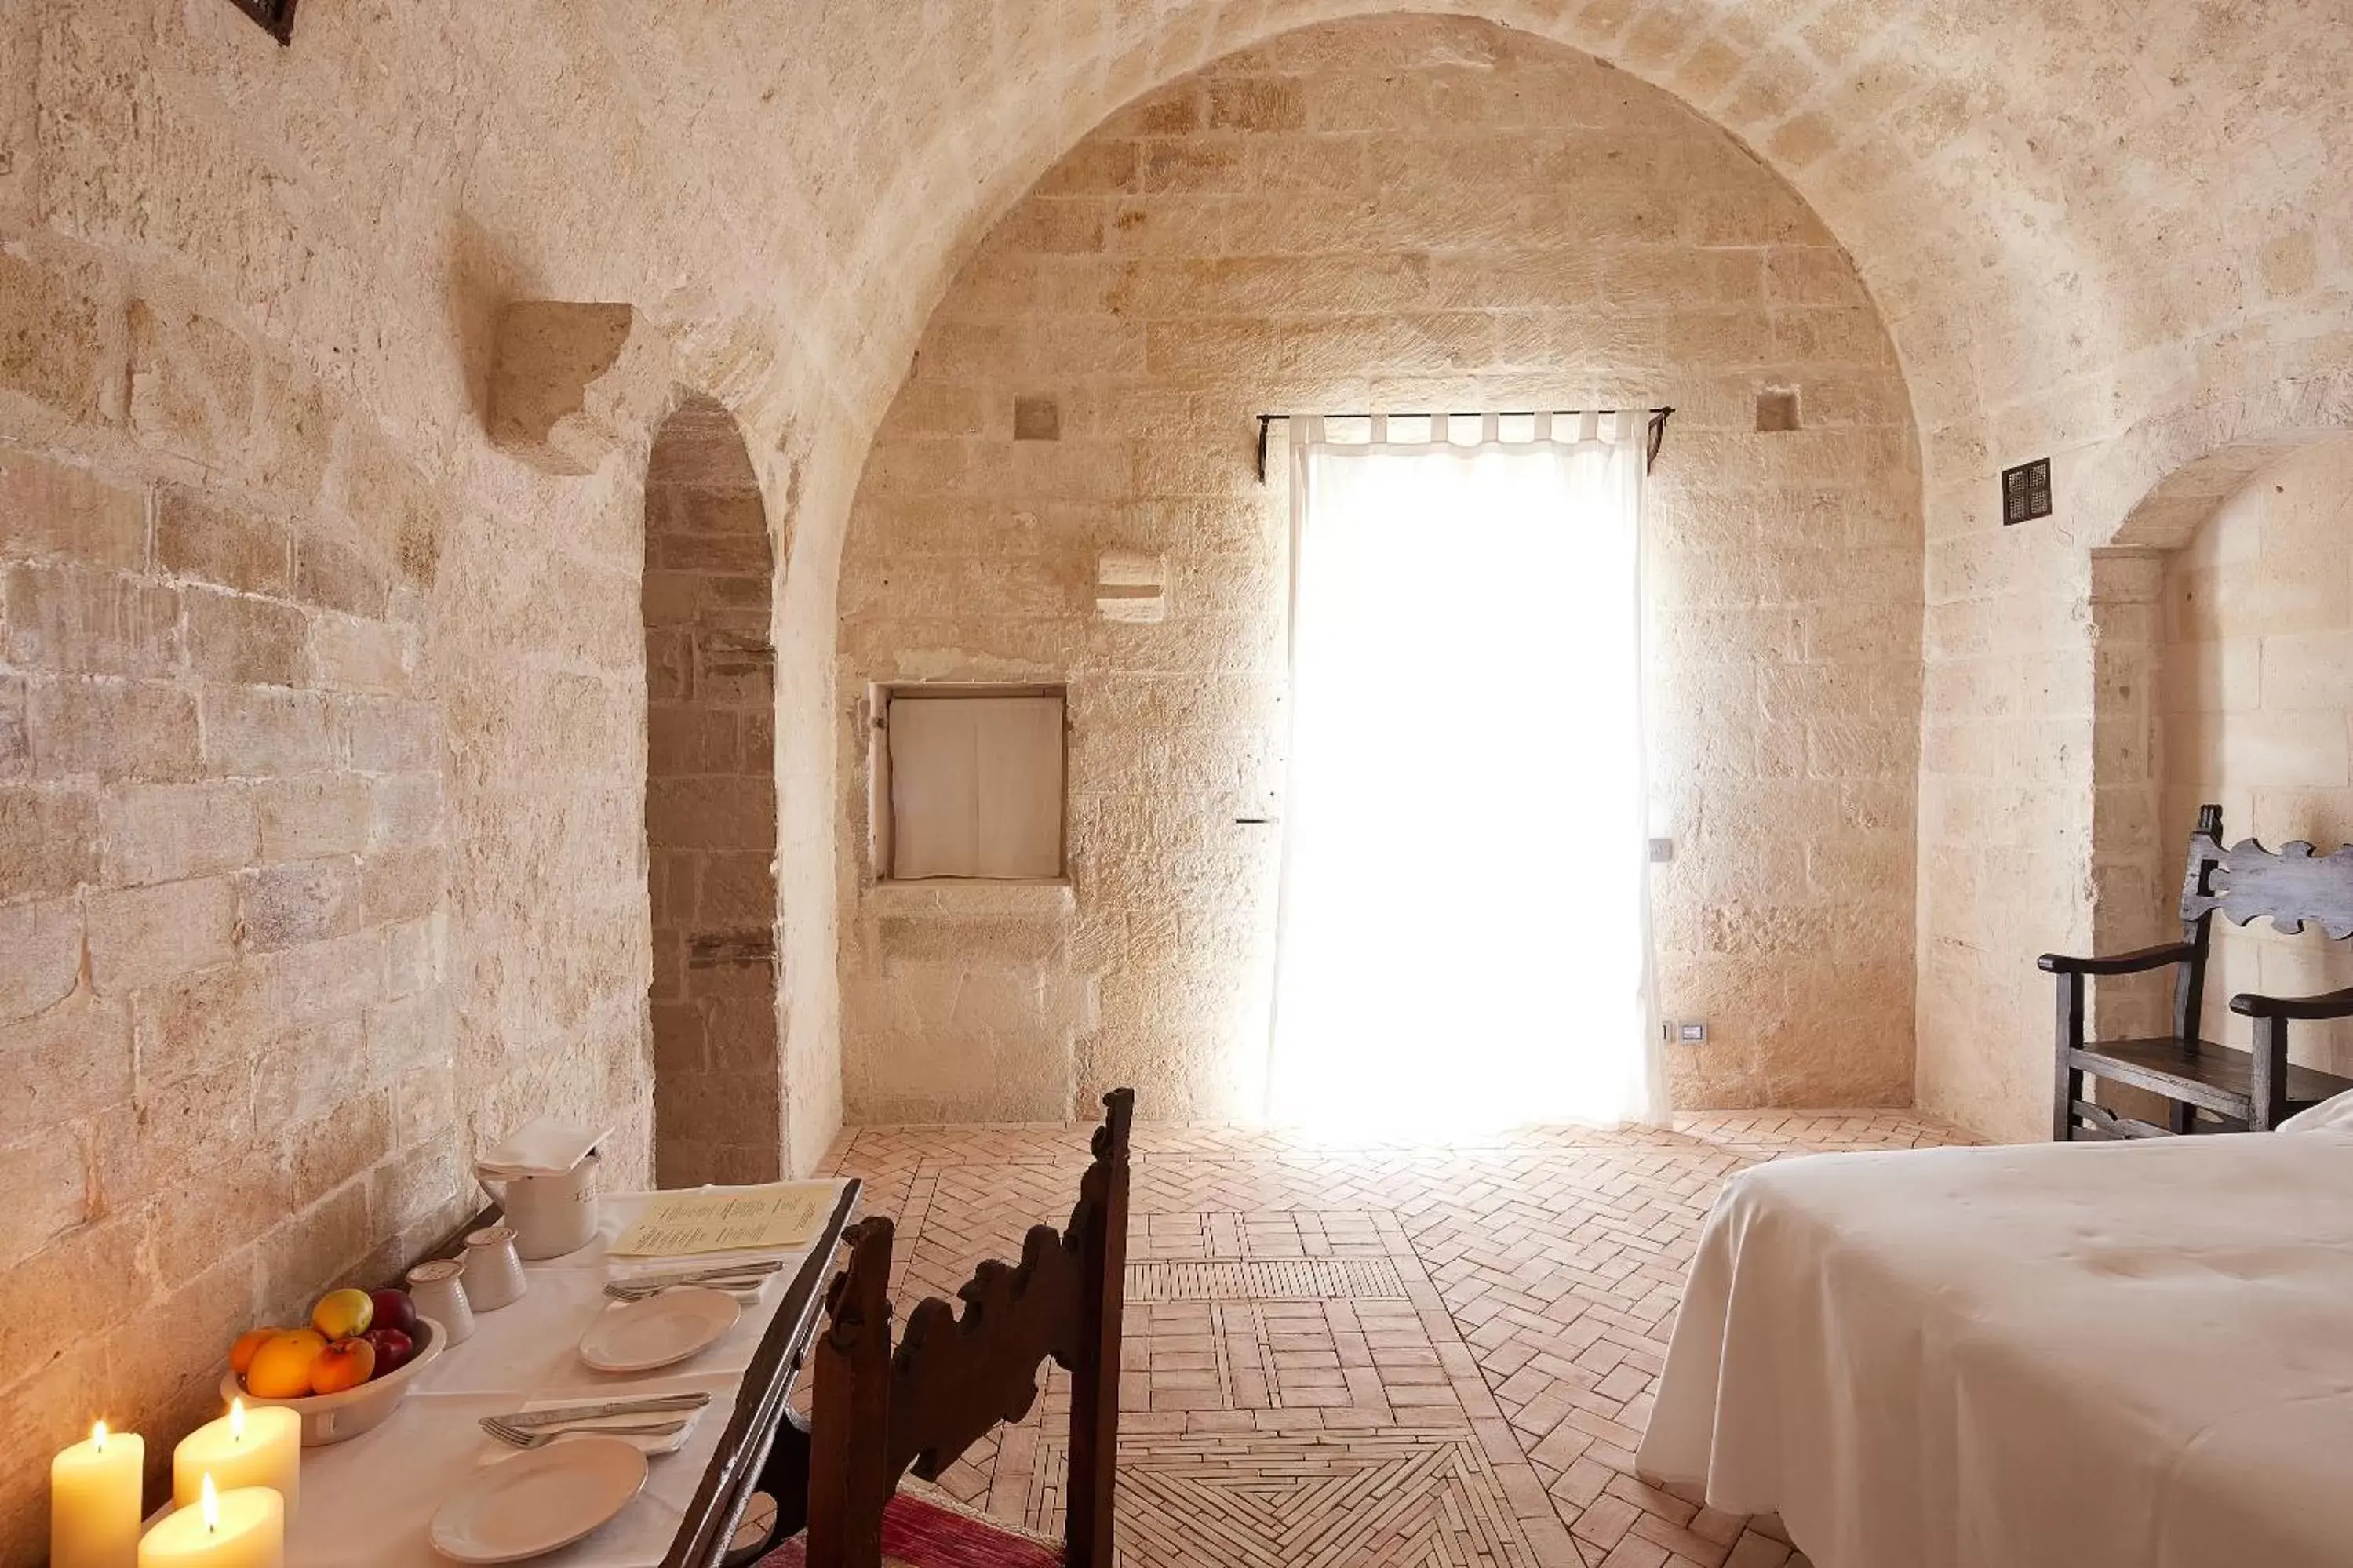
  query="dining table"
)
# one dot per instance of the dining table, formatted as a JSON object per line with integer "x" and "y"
{"x": 369, "y": 1502}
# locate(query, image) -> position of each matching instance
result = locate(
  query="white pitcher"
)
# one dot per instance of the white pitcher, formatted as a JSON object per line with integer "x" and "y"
{"x": 552, "y": 1214}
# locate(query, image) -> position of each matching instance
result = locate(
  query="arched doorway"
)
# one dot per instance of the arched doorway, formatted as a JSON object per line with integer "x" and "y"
{"x": 710, "y": 807}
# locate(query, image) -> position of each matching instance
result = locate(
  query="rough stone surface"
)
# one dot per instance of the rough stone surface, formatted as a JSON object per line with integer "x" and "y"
{"x": 1354, "y": 218}
{"x": 572, "y": 382}
{"x": 321, "y": 723}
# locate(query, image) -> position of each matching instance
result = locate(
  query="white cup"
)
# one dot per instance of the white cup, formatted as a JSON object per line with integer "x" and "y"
{"x": 493, "y": 1271}
{"x": 438, "y": 1289}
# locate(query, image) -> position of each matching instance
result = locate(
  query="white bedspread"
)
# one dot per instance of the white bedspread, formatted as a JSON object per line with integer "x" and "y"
{"x": 2124, "y": 1355}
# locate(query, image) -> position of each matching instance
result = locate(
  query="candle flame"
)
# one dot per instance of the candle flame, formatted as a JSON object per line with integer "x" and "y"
{"x": 98, "y": 1437}
{"x": 211, "y": 1503}
{"x": 236, "y": 1420}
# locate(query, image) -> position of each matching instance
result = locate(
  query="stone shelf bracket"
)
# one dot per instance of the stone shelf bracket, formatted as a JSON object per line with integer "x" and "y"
{"x": 572, "y": 382}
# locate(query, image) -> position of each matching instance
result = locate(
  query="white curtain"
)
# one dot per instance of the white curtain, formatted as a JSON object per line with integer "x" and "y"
{"x": 1464, "y": 922}
{"x": 976, "y": 786}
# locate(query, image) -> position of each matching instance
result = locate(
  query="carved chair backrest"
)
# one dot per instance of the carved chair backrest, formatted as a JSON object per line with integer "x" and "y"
{"x": 2291, "y": 887}
{"x": 879, "y": 1413}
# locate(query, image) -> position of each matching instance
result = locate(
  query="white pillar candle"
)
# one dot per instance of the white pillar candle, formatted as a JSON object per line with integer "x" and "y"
{"x": 241, "y": 1529}
{"x": 257, "y": 1448}
{"x": 94, "y": 1508}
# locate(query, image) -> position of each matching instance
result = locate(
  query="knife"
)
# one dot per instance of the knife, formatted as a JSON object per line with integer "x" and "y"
{"x": 695, "y": 1276}
{"x": 611, "y": 1407}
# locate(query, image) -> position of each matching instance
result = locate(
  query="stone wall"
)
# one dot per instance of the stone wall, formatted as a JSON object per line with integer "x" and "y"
{"x": 323, "y": 725}
{"x": 1398, "y": 214}
{"x": 222, "y": 849}
{"x": 238, "y": 969}
{"x": 2257, "y": 700}
{"x": 711, "y": 807}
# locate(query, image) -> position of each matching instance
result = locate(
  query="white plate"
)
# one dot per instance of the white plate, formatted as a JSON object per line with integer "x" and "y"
{"x": 658, "y": 1330}
{"x": 535, "y": 1502}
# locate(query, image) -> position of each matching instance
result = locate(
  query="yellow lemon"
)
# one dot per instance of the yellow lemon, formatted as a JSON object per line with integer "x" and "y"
{"x": 343, "y": 1314}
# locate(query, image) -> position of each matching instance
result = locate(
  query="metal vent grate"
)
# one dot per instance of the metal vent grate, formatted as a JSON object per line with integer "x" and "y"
{"x": 1265, "y": 1280}
{"x": 2026, "y": 492}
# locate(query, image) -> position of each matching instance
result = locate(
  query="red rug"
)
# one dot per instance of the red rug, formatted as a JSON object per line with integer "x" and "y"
{"x": 921, "y": 1534}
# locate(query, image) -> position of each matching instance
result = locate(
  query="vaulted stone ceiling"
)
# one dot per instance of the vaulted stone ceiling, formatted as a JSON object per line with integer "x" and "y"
{"x": 2055, "y": 201}
{"x": 2075, "y": 213}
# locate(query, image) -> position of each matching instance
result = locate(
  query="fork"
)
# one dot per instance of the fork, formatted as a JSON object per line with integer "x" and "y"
{"x": 656, "y": 1406}
{"x": 514, "y": 1437}
{"x": 746, "y": 1284}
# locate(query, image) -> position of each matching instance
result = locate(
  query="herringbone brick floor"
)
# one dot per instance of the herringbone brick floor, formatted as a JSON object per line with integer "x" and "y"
{"x": 1342, "y": 1354}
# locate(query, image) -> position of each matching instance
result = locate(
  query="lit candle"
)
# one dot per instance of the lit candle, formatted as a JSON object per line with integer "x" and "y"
{"x": 258, "y": 1447}
{"x": 240, "y": 1528}
{"x": 94, "y": 1500}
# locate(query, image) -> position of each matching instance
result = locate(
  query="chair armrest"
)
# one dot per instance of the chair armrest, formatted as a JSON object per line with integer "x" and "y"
{"x": 2146, "y": 958}
{"x": 2335, "y": 1004}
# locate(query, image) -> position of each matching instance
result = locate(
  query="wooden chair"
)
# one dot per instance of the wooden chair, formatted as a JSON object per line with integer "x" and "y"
{"x": 880, "y": 1414}
{"x": 2212, "y": 1088}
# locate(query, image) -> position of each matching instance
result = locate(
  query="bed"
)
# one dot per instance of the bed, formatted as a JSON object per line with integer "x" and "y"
{"x": 2121, "y": 1355}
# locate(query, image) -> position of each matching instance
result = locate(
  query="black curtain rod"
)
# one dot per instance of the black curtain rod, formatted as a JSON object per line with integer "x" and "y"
{"x": 1650, "y": 456}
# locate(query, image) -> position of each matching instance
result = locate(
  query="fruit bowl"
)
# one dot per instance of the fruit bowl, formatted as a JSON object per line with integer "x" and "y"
{"x": 333, "y": 1417}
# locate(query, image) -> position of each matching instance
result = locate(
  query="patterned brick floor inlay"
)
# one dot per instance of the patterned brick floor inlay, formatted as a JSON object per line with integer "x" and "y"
{"x": 1366, "y": 1353}
{"x": 1393, "y": 1497}
{"x": 1266, "y": 1279}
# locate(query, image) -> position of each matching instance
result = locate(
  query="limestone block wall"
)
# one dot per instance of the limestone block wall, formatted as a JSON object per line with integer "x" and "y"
{"x": 2257, "y": 699}
{"x": 323, "y": 725}
{"x": 711, "y": 807}
{"x": 223, "y": 851}
{"x": 1401, "y": 214}
{"x": 234, "y": 962}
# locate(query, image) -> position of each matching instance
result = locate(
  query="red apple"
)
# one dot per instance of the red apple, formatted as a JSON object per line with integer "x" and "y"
{"x": 393, "y": 1350}
{"x": 394, "y": 1309}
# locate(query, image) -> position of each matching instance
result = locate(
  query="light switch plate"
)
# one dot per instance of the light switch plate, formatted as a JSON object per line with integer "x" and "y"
{"x": 1692, "y": 1032}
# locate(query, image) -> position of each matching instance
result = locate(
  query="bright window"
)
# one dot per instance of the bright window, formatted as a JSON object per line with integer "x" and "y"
{"x": 1464, "y": 907}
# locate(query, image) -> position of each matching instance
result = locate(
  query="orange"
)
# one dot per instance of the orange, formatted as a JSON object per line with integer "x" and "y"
{"x": 240, "y": 1354}
{"x": 281, "y": 1367}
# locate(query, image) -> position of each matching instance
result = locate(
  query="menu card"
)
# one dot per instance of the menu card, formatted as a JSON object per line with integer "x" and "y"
{"x": 780, "y": 1216}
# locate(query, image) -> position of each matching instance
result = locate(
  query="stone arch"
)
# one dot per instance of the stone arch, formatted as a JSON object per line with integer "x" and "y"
{"x": 2183, "y": 466}
{"x": 1919, "y": 141}
{"x": 1176, "y": 271}
{"x": 2200, "y": 458}
{"x": 711, "y": 805}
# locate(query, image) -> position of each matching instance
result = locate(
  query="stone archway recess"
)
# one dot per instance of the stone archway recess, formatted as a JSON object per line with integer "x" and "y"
{"x": 710, "y": 807}
{"x": 2201, "y": 458}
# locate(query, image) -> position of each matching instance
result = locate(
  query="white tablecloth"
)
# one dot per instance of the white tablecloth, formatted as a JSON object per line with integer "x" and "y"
{"x": 2060, "y": 1356}
{"x": 367, "y": 1504}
